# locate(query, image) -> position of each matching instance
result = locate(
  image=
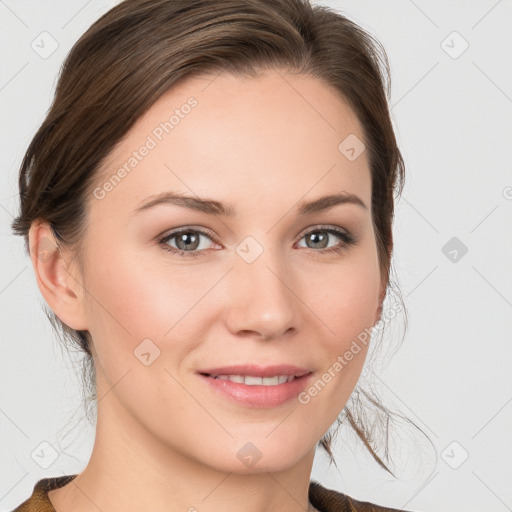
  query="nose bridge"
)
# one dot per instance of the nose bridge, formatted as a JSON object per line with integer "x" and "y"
{"x": 262, "y": 299}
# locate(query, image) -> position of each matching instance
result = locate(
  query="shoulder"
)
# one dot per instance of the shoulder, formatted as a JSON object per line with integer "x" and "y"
{"x": 39, "y": 501}
{"x": 328, "y": 500}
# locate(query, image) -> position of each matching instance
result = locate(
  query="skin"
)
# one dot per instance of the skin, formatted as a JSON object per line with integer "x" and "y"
{"x": 164, "y": 441}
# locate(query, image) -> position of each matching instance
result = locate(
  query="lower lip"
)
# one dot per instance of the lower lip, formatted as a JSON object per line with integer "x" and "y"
{"x": 258, "y": 395}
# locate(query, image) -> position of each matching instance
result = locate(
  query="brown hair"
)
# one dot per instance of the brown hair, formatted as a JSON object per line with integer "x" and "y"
{"x": 139, "y": 49}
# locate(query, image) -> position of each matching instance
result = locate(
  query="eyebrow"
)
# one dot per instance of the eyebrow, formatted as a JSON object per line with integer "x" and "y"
{"x": 213, "y": 207}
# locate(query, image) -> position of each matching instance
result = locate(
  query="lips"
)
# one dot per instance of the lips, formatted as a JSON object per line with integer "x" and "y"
{"x": 252, "y": 370}
{"x": 258, "y": 388}
{"x": 250, "y": 380}
{"x": 251, "y": 385}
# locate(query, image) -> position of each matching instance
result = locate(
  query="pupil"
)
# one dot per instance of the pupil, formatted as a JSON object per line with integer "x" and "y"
{"x": 182, "y": 239}
{"x": 319, "y": 238}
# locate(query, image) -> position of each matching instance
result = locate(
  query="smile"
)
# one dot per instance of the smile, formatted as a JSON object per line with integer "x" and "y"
{"x": 259, "y": 392}
{"x": 251, "y": 380}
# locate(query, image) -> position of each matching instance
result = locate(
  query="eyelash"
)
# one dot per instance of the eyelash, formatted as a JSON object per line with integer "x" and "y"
{"x": 347, "y": 238}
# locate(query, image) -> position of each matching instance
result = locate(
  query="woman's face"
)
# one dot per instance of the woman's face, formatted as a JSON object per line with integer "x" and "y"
{"x": 261, "y": 286}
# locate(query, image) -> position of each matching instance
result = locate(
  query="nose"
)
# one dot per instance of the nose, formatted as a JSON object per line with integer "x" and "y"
{"x": 262, "y": 302}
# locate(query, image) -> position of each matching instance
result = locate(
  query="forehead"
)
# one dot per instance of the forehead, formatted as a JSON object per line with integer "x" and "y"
{"x": 213, "y": 135}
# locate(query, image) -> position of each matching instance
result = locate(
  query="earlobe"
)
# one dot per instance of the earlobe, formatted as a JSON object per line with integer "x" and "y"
{"x": 60, "y": 288}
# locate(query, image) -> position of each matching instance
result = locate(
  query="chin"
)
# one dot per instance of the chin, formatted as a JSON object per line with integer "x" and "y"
{"x": 258, "y": 456}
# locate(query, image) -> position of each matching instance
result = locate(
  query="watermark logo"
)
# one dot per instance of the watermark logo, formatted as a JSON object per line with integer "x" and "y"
{"x": 455, "y": 455}
{"x": 454, "y": 45}
{"x": 249, "y": 249}
{"x": 351, "y": 147}
{"x": 249, "y": 455}
{"x": 45, "y": 250}
{"x": 146, "y": 352}
{"x": 44, "y": 45}
{"x": 44, "y": 455}
{"x": 454, "y": 249}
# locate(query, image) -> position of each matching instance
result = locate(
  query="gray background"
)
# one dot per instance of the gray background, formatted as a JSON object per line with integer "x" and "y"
{"x": 451, "y": 376}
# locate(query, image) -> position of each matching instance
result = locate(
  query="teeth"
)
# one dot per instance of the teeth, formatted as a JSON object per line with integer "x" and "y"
{"x": 249, "y": 380}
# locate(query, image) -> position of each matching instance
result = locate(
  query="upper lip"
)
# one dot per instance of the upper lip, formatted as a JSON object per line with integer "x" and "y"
{"x": 257, "y": 371}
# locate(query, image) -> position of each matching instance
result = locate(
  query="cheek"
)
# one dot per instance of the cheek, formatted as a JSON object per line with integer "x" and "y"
{"x": 138, "y": 299}
{"x": 348, "y": 312}
{"x": 346, "y": 296}
{"x": 146, "y": 308}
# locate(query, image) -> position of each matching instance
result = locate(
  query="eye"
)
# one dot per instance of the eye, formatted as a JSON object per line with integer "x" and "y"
{"x": 188, "y": 240}
{"x": 320, "y": 241}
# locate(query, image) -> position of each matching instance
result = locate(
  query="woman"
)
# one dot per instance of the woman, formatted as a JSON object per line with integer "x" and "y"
{"x": 208, "y": 207}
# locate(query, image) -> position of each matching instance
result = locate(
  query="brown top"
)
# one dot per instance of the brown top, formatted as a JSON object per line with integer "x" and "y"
{"x": 325, "y": 500}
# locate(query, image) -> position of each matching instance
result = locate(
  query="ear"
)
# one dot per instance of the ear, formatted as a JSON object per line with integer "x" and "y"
{"x": 382, "y": 296}
{"x": 57, "y": 279}
{"x": 384, "y": 281}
